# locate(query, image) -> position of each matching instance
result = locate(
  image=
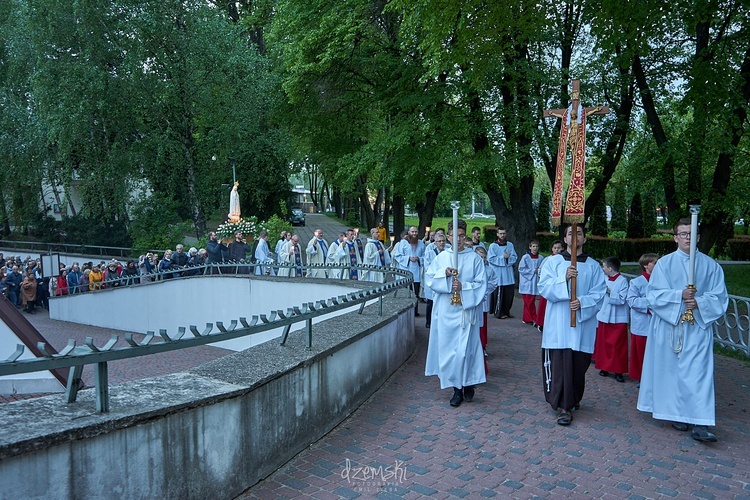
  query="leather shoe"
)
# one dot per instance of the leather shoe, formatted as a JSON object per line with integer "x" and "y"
{"x": 427, "y": 325}
{"x": 458, "y": 396}
{"x": 701, "y": 433}
{"x": 680, "y": 426}
{"x": 416, "y": 314}
{"x": 619, "y": 377}
{"x": 604, "y": 373}
{"x": 469, "y": 393}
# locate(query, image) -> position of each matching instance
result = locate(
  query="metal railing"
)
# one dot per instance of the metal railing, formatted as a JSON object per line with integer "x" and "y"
{"x": 732, "y": 330}
{"x": 50, "y": 248}
{"x": 76, "y": 357}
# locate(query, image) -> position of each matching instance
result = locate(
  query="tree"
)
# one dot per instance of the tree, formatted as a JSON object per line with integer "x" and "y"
{"x": 635, "y": 219}
{"x": 619, "y": 208}
{"x": 543, "y": 211}
{"x": 598, "y": 218}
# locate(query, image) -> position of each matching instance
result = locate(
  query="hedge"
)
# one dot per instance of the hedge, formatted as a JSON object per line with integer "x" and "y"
{"x": 627, "y": 250}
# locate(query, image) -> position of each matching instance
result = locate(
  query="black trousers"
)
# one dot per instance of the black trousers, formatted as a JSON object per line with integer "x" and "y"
{"x": 416, "y": 287}
{"x": 502, "y": 298}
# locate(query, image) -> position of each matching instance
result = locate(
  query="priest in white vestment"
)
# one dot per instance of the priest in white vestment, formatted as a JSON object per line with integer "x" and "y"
{"x": 454, "y": 352}
{"x": 317, "y": 251}
{"x": 677, "y": 382}
{"x": 263, "y": 255}
{"x": 376, "y": 254}
{"x": 334, "y": 257}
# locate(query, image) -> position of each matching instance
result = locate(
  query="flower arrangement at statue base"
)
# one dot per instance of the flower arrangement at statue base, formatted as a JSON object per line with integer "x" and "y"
{"x": 248, "y": 227}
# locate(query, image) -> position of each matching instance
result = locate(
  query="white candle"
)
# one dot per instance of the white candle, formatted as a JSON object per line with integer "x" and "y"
{"x": 455, "y": 206}
{"x": 694, "y": 211}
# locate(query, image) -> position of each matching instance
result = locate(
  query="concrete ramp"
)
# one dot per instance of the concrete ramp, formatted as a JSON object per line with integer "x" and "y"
{"x": 15, "y": 329}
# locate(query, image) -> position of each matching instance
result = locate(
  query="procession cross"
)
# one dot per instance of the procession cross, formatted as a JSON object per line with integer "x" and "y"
{"x": 573, "y": 134}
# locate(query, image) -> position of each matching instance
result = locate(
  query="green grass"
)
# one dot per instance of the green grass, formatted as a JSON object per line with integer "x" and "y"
{"x": 730, "y": 353}
{"x": 736, "y": 276}
{"x": 445, "y": 222}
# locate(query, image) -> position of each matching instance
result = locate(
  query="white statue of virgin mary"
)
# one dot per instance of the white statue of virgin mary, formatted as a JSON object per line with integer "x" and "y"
{"x": 234, "y": 204}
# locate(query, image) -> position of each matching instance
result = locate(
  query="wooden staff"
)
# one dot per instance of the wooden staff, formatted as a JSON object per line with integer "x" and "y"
{"x": 574, "y": 263}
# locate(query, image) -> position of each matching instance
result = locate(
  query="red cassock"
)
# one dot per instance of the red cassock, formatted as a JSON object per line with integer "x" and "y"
{"x": 611, "y": 347}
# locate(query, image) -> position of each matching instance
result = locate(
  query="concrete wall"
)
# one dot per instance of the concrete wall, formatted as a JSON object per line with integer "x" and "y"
{"x": 211, "y": 432}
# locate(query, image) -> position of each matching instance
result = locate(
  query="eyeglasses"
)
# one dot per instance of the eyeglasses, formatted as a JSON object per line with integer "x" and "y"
{"x": 683, "y": 234}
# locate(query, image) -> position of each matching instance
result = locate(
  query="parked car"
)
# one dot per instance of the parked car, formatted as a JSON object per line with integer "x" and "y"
{"x": 478, "y": 215}
{"x": 297, "y": 218}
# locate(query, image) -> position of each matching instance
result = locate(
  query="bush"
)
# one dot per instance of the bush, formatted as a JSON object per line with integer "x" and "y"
{"x": 739, "y": 248}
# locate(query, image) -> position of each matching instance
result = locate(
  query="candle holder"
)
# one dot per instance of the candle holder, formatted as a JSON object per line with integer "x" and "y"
{"x": 687, "y": 317}
{"x": 456, "y": 297}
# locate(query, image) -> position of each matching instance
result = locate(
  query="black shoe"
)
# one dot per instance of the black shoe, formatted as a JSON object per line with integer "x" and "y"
{"x": 458, "y": 396}
{"x": 577, "y": 407}
{"x": 701, "y": 433}
{"x": 416, "y": 314}
{"x": 564, "y": 418}
{"x": 604, "y": 373}
{"x": 469, "y": 393}
{"x": 680, "y": 426}
{"x": 619, "y": 377}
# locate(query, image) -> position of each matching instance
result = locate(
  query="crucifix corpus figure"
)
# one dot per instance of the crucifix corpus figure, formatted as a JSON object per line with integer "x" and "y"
{"x": 573, "y": 134}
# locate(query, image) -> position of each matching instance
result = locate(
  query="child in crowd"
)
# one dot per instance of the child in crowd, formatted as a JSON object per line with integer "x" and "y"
{"x": 491, "y": 285}
{"x": 557, "y": 247}
{"x": 611, "y": 350}
{"x": 528, "y": 280}
{"x": 639, "y": 315}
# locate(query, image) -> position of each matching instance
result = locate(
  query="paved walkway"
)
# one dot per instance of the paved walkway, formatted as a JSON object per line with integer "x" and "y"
{"x": 506, "y": 443}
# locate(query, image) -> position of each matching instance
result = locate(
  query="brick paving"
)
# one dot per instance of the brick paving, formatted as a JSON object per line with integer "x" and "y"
{"x": 506, "y": 442}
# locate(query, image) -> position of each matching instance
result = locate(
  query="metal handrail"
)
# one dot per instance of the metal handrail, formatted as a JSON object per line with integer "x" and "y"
{"x": 76, "y": 357}
{"x": 732, "y": 330}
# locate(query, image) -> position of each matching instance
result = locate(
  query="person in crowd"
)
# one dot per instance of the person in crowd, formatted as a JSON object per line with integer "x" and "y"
{"x": 454, "y": 352}
{"x": 382, "y": 234}
{"x": 376, "y": 255}
{"x": 113, "y": 274}
{"x": 62, "y": 284}
{"x": 317, "y": 251}
{"x": 611, "y": 347}
{"x": 83, "y": 282}
{"x": 677, "y": 382}
{"x": 14, "y": 281}
{"x": 2, "y": 260}
{"x": 476, "y": 238}
{"x": 129, "y": 275}
{"x": 502, "y": 257}
{"x": 165, "y": 265}
{"x": 179, "y": 260}
{"x": 74, "y": 276}
{"x": 639, "y": 315}
{"x": 95, "y": 278}
{"x": 28, "y": 291}
{"x": 486, "y": 303}
{"x": 336, "y": 257}
{"x": 557, "y": 248}
{"x": 430, "y": 253}
{"x": 567, "y": 349}
{"x": 283, "y": 238}
{"x": 409, "y": 256}
{"x": 3, "y": 286}
{"x": 145, "y": 268}
{"x": 214, "y": 248}
{"x": 528, "y": 280}
{"x": 238, "y": 250}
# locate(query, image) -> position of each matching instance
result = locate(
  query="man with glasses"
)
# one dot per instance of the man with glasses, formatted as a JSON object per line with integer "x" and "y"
{"x": 454, "y": 352}
{"x": 677, "y": 382}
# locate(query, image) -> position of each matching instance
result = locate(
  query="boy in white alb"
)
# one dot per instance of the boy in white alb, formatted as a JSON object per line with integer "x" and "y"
{"x": 528, "y": 280}
{"x": 639, "y": 315}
